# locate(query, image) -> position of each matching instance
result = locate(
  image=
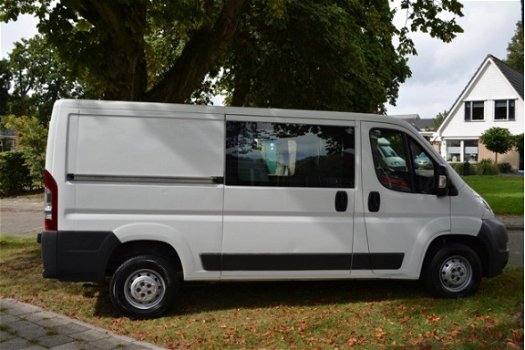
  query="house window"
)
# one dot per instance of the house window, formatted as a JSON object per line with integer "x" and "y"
{"x": 470, "y": 151}
{"x": 453, "y": 150}
{"x": 504, "y": 110}
{"x": 474, "y": 110}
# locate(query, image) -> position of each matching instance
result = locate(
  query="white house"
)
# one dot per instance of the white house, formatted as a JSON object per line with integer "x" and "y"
{"x": 492, "y": 98}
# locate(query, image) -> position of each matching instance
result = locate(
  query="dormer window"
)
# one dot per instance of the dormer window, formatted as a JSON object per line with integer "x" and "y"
{"x": 504, "y": 109}
{"x": 474, "y": 110}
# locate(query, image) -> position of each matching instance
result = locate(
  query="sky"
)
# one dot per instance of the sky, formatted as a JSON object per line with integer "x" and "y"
{"x": 440, "y": 71}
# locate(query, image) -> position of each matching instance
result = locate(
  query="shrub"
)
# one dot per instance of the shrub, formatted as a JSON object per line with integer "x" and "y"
{"x": 486, "y": 167}
{"x": 458, "y": 167}
{"x": 468, "y": 169}
{"x": 505, "y": 168}
{"x": 14, "y": 175}
{"x": 464, "y": 169}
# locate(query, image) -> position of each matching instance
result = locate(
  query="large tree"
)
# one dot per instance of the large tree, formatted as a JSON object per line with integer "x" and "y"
{"x": 334, "y": 54}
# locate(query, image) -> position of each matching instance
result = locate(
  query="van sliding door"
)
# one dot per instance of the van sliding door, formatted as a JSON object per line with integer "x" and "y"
{"x": 288, "y": 199}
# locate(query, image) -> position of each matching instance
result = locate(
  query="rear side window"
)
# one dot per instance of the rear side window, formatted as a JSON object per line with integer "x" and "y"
{"x": 289, "y": 155}
{"x": 401, "y": 164}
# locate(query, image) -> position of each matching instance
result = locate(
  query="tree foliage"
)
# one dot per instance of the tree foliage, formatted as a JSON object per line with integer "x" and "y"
{"x": 32, "y": 137}
{"x": 316, "y": 55}
{"x": 5, "y": 85}
{"x": 497, "y": 140}
{"x": 38, "y": 78}
{"x": 439, "y": 119}
{"x": 515, "y": 49}
{"x": 518, "y": 143}
{"x": 322, "y": 54}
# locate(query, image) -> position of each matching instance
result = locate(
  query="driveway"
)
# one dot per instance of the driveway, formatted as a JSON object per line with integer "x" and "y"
{"x": 24, "y": 216}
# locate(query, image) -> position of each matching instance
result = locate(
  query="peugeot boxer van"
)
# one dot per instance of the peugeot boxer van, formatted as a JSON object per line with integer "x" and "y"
{"x": 151, "y": 195}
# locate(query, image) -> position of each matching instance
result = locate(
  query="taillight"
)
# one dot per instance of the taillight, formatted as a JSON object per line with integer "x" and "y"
{"x": 51, "y": 202}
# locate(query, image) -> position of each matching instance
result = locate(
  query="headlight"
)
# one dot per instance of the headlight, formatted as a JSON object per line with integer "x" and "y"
{"x": 483, "y": 202}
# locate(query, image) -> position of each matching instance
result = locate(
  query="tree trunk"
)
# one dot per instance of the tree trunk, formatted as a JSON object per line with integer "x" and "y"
{"x": 122, "y": 27}
{"x": 202, "y": 53}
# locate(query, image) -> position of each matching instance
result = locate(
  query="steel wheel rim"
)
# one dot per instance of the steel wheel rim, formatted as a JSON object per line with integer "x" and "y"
{"x": 455, "y": 273}
{"x": 144, "y": 289}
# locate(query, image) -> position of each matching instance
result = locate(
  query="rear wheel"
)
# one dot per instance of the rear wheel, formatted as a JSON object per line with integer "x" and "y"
{"x": 143, "y": 286}
{"x": 453, "y": 271}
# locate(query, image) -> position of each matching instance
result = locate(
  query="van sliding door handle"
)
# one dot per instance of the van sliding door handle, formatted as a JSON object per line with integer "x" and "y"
{"x": 341, "y": 201}
{"x": 374, "y": 201}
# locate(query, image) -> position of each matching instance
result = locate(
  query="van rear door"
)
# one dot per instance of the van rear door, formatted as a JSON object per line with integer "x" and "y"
{"x": 288, "y": 200}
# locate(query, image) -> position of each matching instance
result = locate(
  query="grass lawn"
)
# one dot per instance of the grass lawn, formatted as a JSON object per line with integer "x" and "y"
{"x": 503, "y": 193}
{"x": 335, "y": 314}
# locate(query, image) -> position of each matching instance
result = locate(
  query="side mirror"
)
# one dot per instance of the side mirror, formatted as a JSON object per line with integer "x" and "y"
{"x": 442, "y": 181}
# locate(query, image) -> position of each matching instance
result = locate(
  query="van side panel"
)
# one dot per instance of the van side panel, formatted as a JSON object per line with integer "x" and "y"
{"x": 154, "y": 147}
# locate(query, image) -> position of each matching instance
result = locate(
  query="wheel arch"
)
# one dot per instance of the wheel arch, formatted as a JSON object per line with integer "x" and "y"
{"x": 474, "y": 242}
{"x": 150, "y": 236}
{"x": 131, "y": 249}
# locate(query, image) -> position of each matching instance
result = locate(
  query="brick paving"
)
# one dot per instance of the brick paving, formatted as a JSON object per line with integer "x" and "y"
{"x": 27, "y": 327}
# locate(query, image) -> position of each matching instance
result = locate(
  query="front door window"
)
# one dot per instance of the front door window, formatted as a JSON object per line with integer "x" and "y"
{"x": 401, "y": 163}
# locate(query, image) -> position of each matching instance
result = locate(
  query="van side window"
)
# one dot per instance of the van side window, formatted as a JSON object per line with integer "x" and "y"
{"x": 289, "y": 155}
{"x": 401, "y": 164}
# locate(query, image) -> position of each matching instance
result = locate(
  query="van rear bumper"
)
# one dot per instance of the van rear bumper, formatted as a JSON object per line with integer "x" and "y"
{"x": 76, "y": 255}
{"x": 495, "y": 238}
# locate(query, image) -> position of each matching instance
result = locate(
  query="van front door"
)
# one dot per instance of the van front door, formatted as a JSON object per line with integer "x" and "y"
{"x": 402, "y": 212}
{"x": 288, "y": 199}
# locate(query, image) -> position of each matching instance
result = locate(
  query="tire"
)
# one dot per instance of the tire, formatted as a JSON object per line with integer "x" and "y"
{"x": 143, "y": 287}
{"x": 453, "y": 271}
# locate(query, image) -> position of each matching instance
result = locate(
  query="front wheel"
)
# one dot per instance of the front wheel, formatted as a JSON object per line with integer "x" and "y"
{"x": 453, "y": 271}
{"x": 143, "y": 286}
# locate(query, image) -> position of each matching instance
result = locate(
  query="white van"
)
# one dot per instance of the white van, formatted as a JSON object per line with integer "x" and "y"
{"x": 157, "y": 194}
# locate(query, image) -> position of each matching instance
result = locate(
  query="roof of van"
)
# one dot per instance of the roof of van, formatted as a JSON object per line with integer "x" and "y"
{"x": 166, "y": 109}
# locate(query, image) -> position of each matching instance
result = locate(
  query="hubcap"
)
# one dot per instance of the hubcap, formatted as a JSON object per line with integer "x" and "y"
{"x": 144, "y": 289}
{"x": 455, "y": 273}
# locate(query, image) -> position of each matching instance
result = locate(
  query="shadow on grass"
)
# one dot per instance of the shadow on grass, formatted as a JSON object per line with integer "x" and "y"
{"x": 223, "y": 296}
{"x": 193, "y": 298}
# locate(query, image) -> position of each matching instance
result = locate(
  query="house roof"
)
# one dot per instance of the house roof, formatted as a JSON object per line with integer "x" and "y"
{"x": 415, "y": 120}
{"x": 514, "y": 78}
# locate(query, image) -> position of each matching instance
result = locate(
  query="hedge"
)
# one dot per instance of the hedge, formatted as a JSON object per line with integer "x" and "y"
{"x": 14, "y": 174}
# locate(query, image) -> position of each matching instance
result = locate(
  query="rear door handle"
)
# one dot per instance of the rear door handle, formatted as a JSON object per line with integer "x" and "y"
{"x": 341, "y": 201}
{"x": 374, "y": 201}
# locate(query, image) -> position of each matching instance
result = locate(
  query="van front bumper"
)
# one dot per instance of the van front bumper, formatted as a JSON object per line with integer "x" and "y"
{"x": 76, "y": 255}
{"x": 495, "y": 238}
